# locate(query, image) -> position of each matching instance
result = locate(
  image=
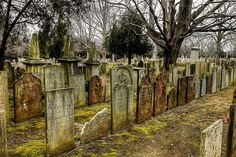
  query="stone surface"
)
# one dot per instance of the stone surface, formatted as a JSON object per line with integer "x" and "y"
{"x": 96, "y": 128}
{"x": 59, "y": 120}
{"x": 10, "y": 73}
{"x": 28, "y": 98}
{"x": 203, "y": 85}
{"x": 34, "y": 52}
{"x": 144, "y": 107}
{"x": 231, "y": 140}
{"x": 160, "y": 104}
{"x": 122, "y": 97}
{"x": 190, "y": 89}
{"x": 197, "y": 86}
{"x": 171, "y": 98}
{"x": 54, "y": 77}
{"x": 182, "y": 91}
{"x": 77, "y": 82}
{"x": 214, "y": 81}
{"x": 3, "y": 134}
{"x": 209, "y": 78}
{"x": 4, "y": 97}
{"x": 211, "y": 140}
{"x": 95, "y": 90}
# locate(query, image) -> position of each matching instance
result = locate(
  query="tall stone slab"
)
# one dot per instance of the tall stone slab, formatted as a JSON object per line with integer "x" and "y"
{"x": 59, "y": 120}
{"x": 223, "y": 79}
{"x": 203, "y": 85}
{"x": 160, "y": 104}
{"x": 190, "y": 89}
{"x": 10, "y": 73}
{"x": 28, "y": 98}
{"x": 121, "y": 97}
{"x": 172, "y": 98}
{"x": 209, "y": 78}
{"x": 218, "y": 79}
{"x": 95, "y": 90}
{"x": 54, "y": 77}
{"x": 3, "y": 134}
{"x": 182, "y": 91}
{"x": 197, "y": 86}
{"x": 4, "y": 97}
{"x": 211, "y": 140}
{"x": 144, "y": 107}
{"x": 77, "y": 82}
{"x": 214, "y": 81}
{"x": 138, "y": 75}
{"x": 231, "y": 139}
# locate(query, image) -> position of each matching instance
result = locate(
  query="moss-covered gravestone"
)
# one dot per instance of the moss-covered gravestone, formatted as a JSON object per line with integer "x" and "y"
{"x": 182, "y": 90}
{"x": 3, "y": 134}
{"x": 54, "y": 77}
{"x": 160, "y": 104}
{"x": 95, "y": 90}
{"x": 122, "y": 97}
{"x": 144, "y": 107}
{"x": 28, "y": 98}
{"x": 59, "y": 120}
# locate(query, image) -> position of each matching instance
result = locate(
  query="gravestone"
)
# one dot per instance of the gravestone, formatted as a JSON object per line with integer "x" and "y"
{"x": 218, "y": 79}
{"x": 77, "y": 82}
{"x": 194, "y": 55}
{"x": 95, "y": 90}
{"x": 187, "y": 69}
{"x": 3, "y": 134}
{"x": 59, "y": 120}
{"x": 28, "y": 98}
{"x": 160, "y": 104}
{"x": 140, "y": 64}
{"x": 144, "y": 107}
{"x": 121, "y": 97}
{"x": 10, "y": 73}
{"x": 96, "y": 128}
{"x": 54, "y": 77}
{"x": 203, "y": 85}
{"x": 138, "y": 75}
{"x": 190, "y": 89}
{"x": 197, "y": 86}
{"x": 214, "y": 81}
{"x": 211, "y": 140}
{"x": 182, "y": 90}
{"x": 4, "y": 97}
{"x": 223, "y": 79}
{"x": 34, "y": 47}
{"x": 152, "y": 74}
{"x": 231, "y": 139}
{"x": 172, "y": 98}
{"x": 209, "y": 83}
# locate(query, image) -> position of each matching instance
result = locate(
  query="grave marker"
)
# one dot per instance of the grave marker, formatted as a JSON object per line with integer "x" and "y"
{"x": 3, "y": 134}
{"x": 95, "y": 90}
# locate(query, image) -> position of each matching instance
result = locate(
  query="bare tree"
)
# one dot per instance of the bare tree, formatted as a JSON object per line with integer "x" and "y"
{"x": 177, "y": 19}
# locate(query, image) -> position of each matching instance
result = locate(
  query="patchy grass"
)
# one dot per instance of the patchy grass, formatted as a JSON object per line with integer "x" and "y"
{"x": 110, "y": 153}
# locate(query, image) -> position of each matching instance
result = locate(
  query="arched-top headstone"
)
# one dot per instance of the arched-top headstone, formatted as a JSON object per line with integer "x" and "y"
{"x": 28, "y": 98}
{"x": 122, "y": 97}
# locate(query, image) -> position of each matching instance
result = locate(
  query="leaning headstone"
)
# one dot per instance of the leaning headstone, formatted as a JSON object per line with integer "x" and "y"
{"x": 231, "y": 140}
{"x": 211, "y": 140}
{"x": 182, "y": 90}
{"x": 4, "y": 97}
{"x": 28, "y": 98}
{"x": 144, "y": 100}
{"x": 95, "y": 90}
{"x": 160, "y": 95}
{"x": 96, "y": 128}
{"x": 122, "y": 97}
{"x": 54, "y": 77}
{"x": 59, "y": 120}
{"x": 190, "y": 89}
{"x": 3, "y": 134}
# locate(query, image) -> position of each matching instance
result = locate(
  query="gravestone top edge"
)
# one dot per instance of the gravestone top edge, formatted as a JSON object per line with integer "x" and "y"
{"x": 59, "y": 89}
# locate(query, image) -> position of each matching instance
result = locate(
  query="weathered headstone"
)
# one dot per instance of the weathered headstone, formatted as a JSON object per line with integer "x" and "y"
{"x": 197, "y": 86}
{"x": 59, "y": 120}
{"x": 223, "y": 79}
{"x": 214, "y": 81}
{"x": 78, "y": 83}
{"x": 122, "y": 97}
{"x": 160, "y": 104}
{"x": 4, "y": 97}
{"x": 172, "y": 98}
{"x": 95, "y": 90}
{"x": 96, "y": 128}
{"x": 54, "y": 77}
{"x": 231, "y": 140}
{"x": 208, "y": 83}
{"x": 28, "y": 98}
{"x": 144, "y": 107}
{"x": 203, "y": 85}
{"x": 10, "y": 73}
{"x": 3, "y": 134}
{"x": 211, "y": 140}
{"x": 182, "y": 90}
{"x": 190, "y": 89}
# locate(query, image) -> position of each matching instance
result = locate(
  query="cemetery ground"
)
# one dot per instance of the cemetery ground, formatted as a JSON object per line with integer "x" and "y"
{"x": 174, "y": 133}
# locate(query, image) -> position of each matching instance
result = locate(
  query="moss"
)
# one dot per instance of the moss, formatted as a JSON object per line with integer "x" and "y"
{"x": 103, "y": 144}
{"x": 31, "y": 149}
{"x": 110, "y": 153}
{"x": 125, "y": 137}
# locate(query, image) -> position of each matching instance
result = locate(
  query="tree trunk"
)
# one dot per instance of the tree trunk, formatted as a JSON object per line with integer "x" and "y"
{"x": 2, "y": 52}
{"x": 171, "y": 55}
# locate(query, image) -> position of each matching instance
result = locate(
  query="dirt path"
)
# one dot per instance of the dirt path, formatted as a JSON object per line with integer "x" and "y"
{"x": 176, "y": 133}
